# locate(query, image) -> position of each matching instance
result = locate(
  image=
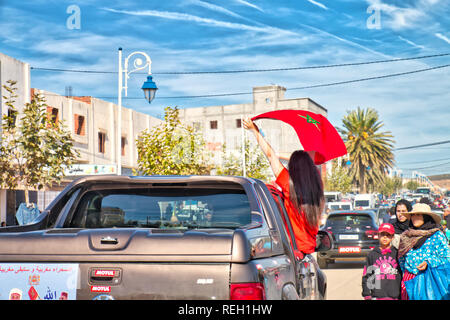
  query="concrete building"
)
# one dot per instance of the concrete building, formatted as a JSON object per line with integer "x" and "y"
{"x": 222, "y": 124}
{"x": 15, "y": 70}
{"x": 93, "y": 123}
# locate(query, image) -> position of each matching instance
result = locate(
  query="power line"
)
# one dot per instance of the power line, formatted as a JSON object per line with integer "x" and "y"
{"x": 249, "y": 70}
{"x": 422, "y": 145}
{"x": 298, "y": 88}
{"x": 292, "y": 89}
{"x": 416, "y": 162}
{"x": 433, "y": 166}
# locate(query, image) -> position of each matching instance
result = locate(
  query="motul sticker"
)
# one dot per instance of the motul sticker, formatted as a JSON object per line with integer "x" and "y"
{"x": 100, "y": 289}
{"x": 104, "y": 273}
{"x": 349, "y": 249}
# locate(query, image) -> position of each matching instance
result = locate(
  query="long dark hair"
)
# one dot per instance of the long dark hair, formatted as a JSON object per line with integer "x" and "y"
{"x": 306, "y": 187}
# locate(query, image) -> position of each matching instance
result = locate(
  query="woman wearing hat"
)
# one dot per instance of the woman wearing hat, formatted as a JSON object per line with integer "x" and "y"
{"x": 422, "y": 245}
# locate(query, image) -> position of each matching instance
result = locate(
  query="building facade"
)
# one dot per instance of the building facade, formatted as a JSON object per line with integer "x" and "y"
{"x": 93, "y": 124}
{"x": 223, "y": 124}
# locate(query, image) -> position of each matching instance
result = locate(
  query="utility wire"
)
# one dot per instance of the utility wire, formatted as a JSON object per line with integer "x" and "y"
{"x": 307, "y": 87}
{"x": 433, "y": 166}
{"x": 417, "y": 162}
{"x": 422, "y": 145}
{"x": 249, "y": 70}
{"x": 290, "y": 89}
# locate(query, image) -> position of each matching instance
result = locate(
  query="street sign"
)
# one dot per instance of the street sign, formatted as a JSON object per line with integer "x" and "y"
{"x": 90, "y": 169}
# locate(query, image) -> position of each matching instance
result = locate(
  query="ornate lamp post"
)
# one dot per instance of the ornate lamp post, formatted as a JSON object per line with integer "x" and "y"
{"x": 149, "y": 88}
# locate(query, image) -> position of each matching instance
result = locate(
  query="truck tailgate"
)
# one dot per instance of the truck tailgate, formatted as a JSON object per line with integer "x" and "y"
{"x": 122, "y": 263}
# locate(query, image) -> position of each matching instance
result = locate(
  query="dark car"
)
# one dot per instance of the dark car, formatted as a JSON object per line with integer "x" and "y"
{"x": 354, "y": 234}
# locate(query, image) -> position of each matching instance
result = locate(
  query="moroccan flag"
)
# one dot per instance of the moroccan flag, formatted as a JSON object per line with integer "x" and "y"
{"x": 315, "y": 132}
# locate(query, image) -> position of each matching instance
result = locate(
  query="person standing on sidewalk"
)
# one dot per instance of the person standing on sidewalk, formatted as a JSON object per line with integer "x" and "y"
{"x": 400, "y": 221}
{"x": 381, "y": 275}
{"x": 422, "y": 245}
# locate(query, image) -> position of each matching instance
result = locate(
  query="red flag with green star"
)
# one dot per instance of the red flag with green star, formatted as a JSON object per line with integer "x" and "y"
{"x": 314, "y": 131}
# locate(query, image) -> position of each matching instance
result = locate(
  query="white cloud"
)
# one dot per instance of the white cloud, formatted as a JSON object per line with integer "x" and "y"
{"x": 318, "y": 4}
{"x": 411, "y": 43}
{"x": 351, "y": 43}
{"x": 196, "y": 19}
{"x": 214, "y": 7}
{"x": 398, "y": 18}
{"x": 251, "y": 5}
{"x": 441, "y": 36}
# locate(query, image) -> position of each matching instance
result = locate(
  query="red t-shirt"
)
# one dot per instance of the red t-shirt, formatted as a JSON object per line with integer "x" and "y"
{"x": 304, "y": 234}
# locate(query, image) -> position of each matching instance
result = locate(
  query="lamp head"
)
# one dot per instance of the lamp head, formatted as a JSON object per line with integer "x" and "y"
{"x": 149, "y": 87}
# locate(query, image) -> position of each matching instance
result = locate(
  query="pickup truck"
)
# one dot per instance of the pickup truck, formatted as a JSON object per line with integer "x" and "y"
{"x": 160, "y": 237}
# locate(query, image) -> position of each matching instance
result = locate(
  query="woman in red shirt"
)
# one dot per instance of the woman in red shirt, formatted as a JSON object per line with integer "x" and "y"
{"x": 302, "y": 187}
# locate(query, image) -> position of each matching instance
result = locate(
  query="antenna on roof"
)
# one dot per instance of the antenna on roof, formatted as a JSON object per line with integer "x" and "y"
{"x": 69, "y": 91}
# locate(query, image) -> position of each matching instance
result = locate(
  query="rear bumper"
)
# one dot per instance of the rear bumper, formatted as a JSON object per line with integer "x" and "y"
{"x": 348, "y": 250}
{"x": 335, "y": 254}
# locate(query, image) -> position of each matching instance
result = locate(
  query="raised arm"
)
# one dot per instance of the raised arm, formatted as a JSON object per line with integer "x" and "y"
{"x": 274, "y": 161}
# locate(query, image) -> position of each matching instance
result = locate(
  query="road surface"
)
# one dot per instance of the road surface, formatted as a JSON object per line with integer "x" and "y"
{"x": 344, "y": 280}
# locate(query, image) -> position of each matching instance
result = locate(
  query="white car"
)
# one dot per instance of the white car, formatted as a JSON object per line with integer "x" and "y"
{"x": 341, "y": 205}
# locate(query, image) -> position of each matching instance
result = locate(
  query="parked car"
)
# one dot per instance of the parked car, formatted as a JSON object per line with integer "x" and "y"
{"x": 332, "y": 196}
{"x": 354, "y": 234}
{"x": 340, "y": 205}
{"x": 365, "y": 201}
{"x": 160, "y": 237}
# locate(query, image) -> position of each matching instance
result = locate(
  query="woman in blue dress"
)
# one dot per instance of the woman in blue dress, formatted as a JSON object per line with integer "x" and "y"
{"x": 422, "y": 245}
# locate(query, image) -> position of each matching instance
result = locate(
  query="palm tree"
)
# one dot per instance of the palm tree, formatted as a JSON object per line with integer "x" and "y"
{"x": 370, "y": 151}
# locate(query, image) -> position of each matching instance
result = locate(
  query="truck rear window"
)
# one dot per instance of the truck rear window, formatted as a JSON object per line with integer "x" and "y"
{"x": 162, "y": 208}
{"x": 352, "y": 220}
{"x": 361, "y": 203}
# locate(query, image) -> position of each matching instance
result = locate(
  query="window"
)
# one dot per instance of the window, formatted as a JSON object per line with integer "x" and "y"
{"x": 101, "y": 142}
{"x": 238, "y": 123}
{"x": 52, "y": 114}
{"x": 349, "y": 220}
{"x": 122, "y": 145}
{"x": 213, "y": 124}
{"x": 79, "y": 125}
{"x": 185, "y": 208}
{"x": 12, "y": 115}
{"x": 362, "y": 203}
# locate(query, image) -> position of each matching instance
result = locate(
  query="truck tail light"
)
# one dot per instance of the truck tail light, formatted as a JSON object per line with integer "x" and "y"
{"x": 247, "y": 291}
{"x": 372, "y": 234}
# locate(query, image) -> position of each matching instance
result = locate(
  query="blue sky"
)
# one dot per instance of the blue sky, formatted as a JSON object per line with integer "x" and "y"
{"x": 197, "y": 35}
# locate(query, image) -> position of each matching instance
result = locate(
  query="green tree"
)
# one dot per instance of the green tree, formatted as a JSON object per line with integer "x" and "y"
{"x": 35, "y": 149}
{"x": 256, "y": 164}
{"x": 412, "y": 185}
{"x": 339, "y": 179}
{"x": 370, "y": 151}
{"x": 389, "y": 185}
{"x": 172, "y": 148}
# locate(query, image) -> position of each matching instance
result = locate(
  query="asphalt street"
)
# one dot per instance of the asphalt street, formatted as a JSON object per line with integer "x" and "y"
{"x": 344, "y": 280}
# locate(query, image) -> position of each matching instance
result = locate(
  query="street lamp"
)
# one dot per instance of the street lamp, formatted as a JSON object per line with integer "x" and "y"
{"x": 149, "y": 88}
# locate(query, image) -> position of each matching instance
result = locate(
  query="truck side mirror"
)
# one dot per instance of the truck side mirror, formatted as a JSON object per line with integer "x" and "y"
{"x": 324, "y": 241}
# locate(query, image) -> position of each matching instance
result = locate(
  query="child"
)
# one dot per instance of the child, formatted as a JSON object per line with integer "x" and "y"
{"x": 381, "y": 276}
